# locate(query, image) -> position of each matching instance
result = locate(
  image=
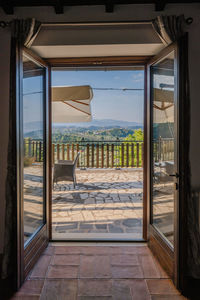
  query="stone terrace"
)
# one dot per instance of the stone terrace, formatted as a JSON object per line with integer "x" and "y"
{"x": 106, "y": 203}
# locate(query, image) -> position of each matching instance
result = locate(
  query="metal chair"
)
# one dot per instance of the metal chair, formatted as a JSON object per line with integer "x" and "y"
{"x": 64, "y": 170}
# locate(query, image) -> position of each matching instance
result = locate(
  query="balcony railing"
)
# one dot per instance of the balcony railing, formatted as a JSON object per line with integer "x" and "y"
{"x": 102, "y": 154}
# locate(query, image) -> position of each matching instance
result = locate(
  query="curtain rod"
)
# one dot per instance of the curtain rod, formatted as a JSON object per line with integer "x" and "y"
{"x": 101, "y": 23}
{"x": 4, "y": 24}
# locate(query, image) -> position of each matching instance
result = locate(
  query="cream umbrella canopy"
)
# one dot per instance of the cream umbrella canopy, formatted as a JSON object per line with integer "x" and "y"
{"x": 71, "y": 104}
{"x": 163, "y": 105}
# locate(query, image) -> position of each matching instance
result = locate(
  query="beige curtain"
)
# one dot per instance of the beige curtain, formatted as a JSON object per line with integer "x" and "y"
{"x": 169, "y": 28}
{"x": 23, "y": 33}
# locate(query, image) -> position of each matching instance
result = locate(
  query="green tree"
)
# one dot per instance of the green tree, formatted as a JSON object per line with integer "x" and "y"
{"x": 138, "y": 136}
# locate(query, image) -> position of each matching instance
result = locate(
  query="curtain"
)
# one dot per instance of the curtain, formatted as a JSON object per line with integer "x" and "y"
{"x": 23, "y": 33}
{"x": 169, "y": 28}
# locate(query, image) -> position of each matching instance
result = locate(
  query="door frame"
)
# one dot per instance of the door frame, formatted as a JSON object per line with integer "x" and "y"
{"x": 28, "y": 255}
{"x": 166, "y": 255}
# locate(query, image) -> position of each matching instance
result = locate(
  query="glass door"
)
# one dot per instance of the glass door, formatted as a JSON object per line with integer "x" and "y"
{"x": 34, "y": 151}
{"x": 164, "y": 174}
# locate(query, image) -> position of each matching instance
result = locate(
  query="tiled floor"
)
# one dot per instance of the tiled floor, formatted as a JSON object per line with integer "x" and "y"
{"x": 97, "y": 272}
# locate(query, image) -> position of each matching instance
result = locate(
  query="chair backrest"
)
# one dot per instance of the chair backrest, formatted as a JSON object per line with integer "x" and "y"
{"x": 76, "y": 159}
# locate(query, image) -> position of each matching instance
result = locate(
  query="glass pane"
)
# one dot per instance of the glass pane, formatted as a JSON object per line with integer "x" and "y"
{"x": 33, "y": 136}
{"x": 163, "y": 146}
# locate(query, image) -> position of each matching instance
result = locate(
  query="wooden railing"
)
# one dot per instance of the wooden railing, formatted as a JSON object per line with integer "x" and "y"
{"x": 102, "y": 154}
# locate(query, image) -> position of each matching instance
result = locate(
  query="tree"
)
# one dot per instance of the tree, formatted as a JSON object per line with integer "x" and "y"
{"x": 138, "y": 136}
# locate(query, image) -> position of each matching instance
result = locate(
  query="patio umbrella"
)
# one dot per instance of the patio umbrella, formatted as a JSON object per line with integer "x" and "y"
{"x": 164, "y": 106}
{"x": 71, "y": 104}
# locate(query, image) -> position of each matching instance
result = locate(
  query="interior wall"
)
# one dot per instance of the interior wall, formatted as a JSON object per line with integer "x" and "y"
{"x": 97, "y": 13}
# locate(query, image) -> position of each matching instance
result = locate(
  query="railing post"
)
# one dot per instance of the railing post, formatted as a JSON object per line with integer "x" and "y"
{"x": 138, "y": 155}
{"x": 88, "y": 155}
{"x": 132, "y": 154}
{"x": 53, "y": 154}
{"x": 72, "y": 151}
{"x": 63, "y": 151}
{"x": 77, "y": 150}
{"x": 36, "y": 151}
{"x": 33, "y": 149}
{"x": 68, "y": 157}
{"x": 142, "y": 155}
{"x": 107, "y": 155}
{"x": 122, "y": 147}
{"x": 29, "y": 147}
{"x": 92, "y": 155}
{"x": 112, "y": 155}
{"x": 127, "y": 155}
{"x": 97, "y": 156}
{"x": 40, "y": 151}
{"x": 102, "y": 155}
{"x": 58, "y": 151}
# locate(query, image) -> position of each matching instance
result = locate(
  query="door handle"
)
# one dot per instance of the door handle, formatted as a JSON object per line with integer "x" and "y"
{"x": 174, "y": 175}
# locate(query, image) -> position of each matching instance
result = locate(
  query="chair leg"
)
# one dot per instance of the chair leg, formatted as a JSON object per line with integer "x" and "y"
{"x": 74, "y": 182}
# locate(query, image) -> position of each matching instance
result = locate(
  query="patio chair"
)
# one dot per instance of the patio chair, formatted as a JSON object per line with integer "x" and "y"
{"x": 64, "y": 170}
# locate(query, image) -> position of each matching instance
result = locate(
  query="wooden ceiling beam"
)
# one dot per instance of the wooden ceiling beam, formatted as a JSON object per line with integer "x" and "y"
{"x": 59, "y": 8}
{"x": 8, "y": 5}
{"x": 8, "y": 8}
{"x": 109, "y": 6}
{"x": 160, "y": 5}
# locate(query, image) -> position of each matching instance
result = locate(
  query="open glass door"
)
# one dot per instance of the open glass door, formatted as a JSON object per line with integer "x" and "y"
{"x": 164, "y": 173}
{"x": 34, "y": 162}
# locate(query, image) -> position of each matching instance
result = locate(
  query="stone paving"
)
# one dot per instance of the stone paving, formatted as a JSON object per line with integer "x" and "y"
{"x": 106, "y": 203}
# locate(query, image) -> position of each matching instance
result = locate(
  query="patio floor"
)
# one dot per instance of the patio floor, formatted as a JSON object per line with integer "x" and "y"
{"x": 106, "y": 204}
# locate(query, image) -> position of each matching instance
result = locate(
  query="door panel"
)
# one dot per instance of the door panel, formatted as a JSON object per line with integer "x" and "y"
{"x": 163, "y": 147}
{"x": 34, "y": 145}
{"x": 163, "y": 158}
{"x": 34, "y": 139}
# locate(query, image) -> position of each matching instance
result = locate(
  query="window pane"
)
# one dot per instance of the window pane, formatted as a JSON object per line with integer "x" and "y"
{"x": 33, "y": 136}
{"x": 163, "y": 146}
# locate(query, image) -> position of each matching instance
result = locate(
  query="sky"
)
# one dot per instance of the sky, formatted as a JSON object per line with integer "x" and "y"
{"x": 115, "y": 105}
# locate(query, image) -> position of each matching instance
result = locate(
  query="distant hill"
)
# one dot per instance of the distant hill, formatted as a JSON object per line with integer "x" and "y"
{"x": 106, "y": 123}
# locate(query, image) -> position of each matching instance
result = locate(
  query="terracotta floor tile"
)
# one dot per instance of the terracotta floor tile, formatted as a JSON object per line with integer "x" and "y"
{"x": 161, "y": 287}
{"x": 95, "y": 298}
{"x": 97, "y": 266}
{"x": 96, "y": 250}
{"x": 24, "y": 297}
{"x": 132, "y": 250}
{"x": 121, "y": 290}
{"x": 135, "y": 289}
{"x": 124, "y": 259}
{"x": 62, "y": 289}
{"x": 167, "y": 297}
{"x": 139, "y": 290}
{"x": 68, "y": 250}
{"x": 40, "y": 269}
{"x": 149, "y": 267}
{"x": 94, "y": 287}
{"x": 49, "y": 250}
{"x": 31, "y": 287}
{"x": 126, "y": 272}
{"x": 65, "y": 260}
{"x": 62, "y": 272}
{"x": 163, "y": 274}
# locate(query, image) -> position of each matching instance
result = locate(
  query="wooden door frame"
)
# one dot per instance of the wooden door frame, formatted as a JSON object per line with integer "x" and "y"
{"x": 167, "y": 257}
{"x": 28, "y": 255}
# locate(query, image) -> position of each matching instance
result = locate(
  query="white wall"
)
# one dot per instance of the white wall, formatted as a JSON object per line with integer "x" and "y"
{"x": 97, "y": 13}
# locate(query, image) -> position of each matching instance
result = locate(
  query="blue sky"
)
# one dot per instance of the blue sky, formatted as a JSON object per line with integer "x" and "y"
{"x": 116, "y": 105}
